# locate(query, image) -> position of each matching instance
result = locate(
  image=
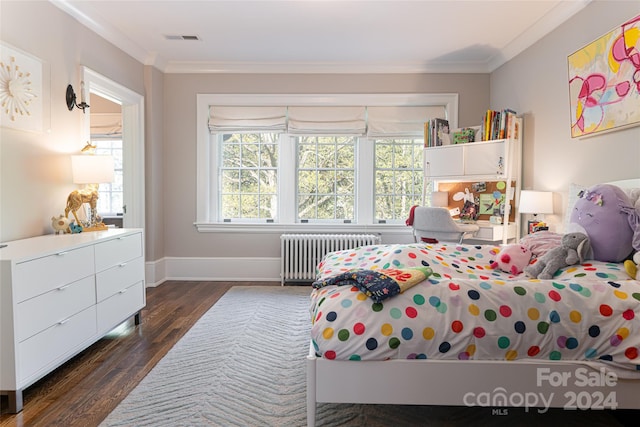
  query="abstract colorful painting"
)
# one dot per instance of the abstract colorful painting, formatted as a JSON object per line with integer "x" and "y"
{"x": 604, "y": 82}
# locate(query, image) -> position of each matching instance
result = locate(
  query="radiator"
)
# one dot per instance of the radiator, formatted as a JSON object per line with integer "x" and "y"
{"x": 301, "y": 253}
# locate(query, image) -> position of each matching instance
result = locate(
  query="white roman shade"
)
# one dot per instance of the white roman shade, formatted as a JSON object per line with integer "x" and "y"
{"x": 375, "y": 121}
{"x": 106, "y": 124}
{"x": 401, "y": 120}
{"x": 253, "y": 119}
{"x": 327, "y": 120}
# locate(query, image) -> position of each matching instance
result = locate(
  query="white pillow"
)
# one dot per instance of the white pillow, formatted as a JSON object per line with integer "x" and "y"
{"x": 574, "y": 190}
{"x": 634, "y": 195}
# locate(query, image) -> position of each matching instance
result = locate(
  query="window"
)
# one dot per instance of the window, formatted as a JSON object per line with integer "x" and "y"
{"x": 312, "y": 163}
{"x": 398, "y": 177}
{"x": 110, "y": 196}
{"x": 249, "y": 176}
{"x": 326, "y": 176}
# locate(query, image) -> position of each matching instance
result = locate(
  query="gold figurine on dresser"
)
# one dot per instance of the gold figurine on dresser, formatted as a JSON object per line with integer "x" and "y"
{"x": 92, "y": 170}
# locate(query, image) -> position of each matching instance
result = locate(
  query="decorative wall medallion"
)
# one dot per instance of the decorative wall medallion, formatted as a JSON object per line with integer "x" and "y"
{"x": 16, "y": 90}
{"x": 21, "y": 90}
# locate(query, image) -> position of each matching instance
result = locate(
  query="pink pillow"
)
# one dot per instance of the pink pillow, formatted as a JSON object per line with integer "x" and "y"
{"x": 541, "y": 242}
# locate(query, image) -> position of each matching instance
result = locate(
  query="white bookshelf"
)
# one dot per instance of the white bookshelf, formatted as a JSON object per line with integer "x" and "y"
{"x": 495, "y": 160}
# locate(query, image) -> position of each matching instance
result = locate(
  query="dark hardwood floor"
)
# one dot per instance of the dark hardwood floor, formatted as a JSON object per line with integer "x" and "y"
{"x": 83, "y": 391}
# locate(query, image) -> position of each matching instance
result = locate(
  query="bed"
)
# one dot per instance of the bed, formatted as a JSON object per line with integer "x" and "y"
{"x": 470, "y": 335}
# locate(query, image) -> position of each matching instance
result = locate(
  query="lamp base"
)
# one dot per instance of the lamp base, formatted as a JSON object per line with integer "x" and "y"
{"x": 100, "y": 226}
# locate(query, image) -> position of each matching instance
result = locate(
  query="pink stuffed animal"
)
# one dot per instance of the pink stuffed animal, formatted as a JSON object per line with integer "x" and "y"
{"x": 512, "y": 258}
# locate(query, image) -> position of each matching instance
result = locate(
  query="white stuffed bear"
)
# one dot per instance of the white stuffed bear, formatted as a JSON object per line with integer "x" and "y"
{"x": 60, "y": 224}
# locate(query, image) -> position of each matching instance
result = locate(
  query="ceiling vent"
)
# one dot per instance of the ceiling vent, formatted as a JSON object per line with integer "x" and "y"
{"x": 181, "y": 37}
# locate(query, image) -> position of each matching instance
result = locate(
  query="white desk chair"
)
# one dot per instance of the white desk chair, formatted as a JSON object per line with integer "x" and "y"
{"x": 436, "y": 223}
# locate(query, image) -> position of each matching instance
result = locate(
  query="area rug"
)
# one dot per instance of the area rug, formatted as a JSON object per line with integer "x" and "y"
{"x": 243, "y": 364}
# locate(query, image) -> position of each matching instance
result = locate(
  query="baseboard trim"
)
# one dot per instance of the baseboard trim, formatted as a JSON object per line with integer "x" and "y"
{"x": 155, "y": 273}
{"x": 266, "y": 269}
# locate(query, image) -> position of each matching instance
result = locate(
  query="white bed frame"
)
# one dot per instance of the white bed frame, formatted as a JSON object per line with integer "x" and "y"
{"x": 496, "y": 384}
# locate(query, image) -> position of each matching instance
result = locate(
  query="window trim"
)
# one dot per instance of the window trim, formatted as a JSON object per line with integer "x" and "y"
{"x": 207, "y": 183}
{"x": 373, "y": 175}
{"x": 97, "y": 139}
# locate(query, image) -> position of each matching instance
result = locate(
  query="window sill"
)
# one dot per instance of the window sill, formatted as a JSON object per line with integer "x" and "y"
{"x": 209, "y": 227}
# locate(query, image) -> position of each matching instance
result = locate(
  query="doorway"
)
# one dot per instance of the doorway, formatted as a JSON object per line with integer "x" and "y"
{"x": 109, "y": 94}
{"x": 106, "y": 137}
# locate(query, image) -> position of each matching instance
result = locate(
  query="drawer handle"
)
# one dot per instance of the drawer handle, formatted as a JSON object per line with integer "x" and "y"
{"x": 62, "y": 253}
{"x": 122, "y": 265}
{"x": 123, "y": 291}
{"x": 62, "y": 288}
{"x": 62, "y": 322}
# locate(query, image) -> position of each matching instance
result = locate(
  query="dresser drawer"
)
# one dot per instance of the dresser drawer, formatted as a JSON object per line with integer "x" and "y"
{"x": 40, "y": 275}
{"x": 117, "y": 251}
{"x": 115, "y": 279}
{"x": 116, "y": 309}
{"x": 39, "y": 313}
{"x": 59, "y": 340}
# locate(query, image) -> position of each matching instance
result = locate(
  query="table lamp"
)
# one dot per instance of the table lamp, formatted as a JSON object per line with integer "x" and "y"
{"x": 440, "y": 199}
{"x": 89, "y": 169}
{"x": 535, "y": 202}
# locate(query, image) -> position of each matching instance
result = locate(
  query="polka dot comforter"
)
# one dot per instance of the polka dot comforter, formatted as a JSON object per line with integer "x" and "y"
{"x": 465, "y": 310}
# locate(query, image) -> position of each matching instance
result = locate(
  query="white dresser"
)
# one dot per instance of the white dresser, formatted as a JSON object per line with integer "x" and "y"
{"x": 61, "y": 293}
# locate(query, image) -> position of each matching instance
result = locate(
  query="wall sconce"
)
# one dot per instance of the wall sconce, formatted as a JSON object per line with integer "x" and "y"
{"x": 71, "y": 98}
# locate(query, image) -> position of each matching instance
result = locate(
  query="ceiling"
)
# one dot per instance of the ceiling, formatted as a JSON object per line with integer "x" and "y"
{"x": 322, "y": 36}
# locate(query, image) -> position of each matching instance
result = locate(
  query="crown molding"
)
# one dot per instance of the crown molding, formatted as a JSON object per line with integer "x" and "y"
{"x": 529, "y": 36}
{"x": 213, "y": 67}
{"x": 107, "y": 32}
{"x": 561, "y": 13}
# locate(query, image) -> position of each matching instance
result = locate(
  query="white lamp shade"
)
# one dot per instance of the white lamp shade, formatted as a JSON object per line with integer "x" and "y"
{"x": 536, "y": 202}
{"x": 89, "y": 169}
{"x": 440, "y": 199}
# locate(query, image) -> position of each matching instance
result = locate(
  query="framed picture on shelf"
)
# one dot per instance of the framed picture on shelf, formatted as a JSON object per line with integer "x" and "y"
{"x": 536, "y": 225}
{"x": 442, "y": 132}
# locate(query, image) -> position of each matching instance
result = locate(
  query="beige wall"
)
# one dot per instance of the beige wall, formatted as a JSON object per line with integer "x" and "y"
{"x": 181, "y": 238}
{"x": 35, "y": 173}
{"x": 535, "y": 83}
{"x": 154, "y": 163}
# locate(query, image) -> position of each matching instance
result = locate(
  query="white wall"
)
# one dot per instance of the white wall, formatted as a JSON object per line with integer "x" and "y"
{"x": 535, "y": 83}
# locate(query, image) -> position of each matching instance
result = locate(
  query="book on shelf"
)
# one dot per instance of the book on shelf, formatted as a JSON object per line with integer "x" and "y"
{"x": 436, "y": 133}
{"x": 497, "y": 124}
